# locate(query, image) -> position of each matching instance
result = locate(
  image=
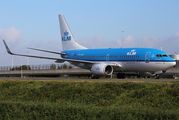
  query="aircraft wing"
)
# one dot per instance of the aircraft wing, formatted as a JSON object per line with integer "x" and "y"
{"x": 58, "y": 59}
{"x": 46, "y": 51}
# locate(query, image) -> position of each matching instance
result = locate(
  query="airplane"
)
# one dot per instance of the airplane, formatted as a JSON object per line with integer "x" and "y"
{"x": 107, "y": 61}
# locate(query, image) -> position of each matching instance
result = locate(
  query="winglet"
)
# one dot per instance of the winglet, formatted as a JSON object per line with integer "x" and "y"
{"x": 7, "y": 48}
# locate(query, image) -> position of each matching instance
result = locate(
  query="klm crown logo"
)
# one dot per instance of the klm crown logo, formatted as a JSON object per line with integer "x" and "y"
{"x": 97, "y": 68}
{"x": 66, "y": 33}
{"x": 66, "y": 37}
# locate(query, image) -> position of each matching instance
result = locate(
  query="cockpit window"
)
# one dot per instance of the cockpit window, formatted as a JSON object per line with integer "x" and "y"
{"x": 165, "y": 55}
{"x": 161, "y": 55}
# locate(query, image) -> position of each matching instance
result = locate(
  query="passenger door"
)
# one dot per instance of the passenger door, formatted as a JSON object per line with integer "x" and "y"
{"x": 147, "y": 57}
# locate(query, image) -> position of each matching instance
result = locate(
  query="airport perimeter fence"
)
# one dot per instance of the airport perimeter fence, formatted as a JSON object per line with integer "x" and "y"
{"x": 37, "y": 67}
{"x": 48, "y": 67}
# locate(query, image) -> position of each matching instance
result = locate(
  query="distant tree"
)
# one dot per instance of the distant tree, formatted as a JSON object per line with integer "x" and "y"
{"x": 65, "y": 66}
{"x": 39, "y": 66}
{"x": 52, "y": 66}
{"x": 59, "y": 67}
{"x": 15, "y": 68}
{"x": 28, "y": 67}
{"x": 70, "y": 67}
{"x": 24, "y": 67}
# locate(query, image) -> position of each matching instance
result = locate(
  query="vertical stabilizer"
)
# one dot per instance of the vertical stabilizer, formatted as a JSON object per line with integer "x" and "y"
{"x": 68, "y": 41}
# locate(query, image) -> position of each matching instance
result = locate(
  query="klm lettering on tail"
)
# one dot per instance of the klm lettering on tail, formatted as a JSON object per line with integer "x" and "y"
{"x": 66, "y": 37}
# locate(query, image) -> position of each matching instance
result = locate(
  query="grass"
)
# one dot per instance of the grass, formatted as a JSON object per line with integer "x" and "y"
{"x": 20, "y": 99}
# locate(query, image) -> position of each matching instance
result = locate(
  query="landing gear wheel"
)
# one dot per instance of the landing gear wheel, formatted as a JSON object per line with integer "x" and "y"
{"x": 120, "y": 76}
{"x": 94, "y": 76}
{"x": 157, "y": 77}
{"x": 97, "y": 77}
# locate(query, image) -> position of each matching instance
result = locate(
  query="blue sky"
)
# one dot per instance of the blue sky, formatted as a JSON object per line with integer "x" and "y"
{"x": 94, "y": 24}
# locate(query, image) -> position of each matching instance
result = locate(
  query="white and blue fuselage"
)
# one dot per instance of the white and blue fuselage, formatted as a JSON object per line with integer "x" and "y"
{"x": 129, "y": 59}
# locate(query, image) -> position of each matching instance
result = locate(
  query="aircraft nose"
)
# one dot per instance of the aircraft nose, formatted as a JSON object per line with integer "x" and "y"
{"x": 173, "y": 63}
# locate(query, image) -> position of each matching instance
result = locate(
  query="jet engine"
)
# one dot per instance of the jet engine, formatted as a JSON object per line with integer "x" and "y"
{"x": 102, "y": 69}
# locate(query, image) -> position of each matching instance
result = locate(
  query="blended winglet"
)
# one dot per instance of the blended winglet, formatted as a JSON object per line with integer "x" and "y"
{"x": 7, "y": 48}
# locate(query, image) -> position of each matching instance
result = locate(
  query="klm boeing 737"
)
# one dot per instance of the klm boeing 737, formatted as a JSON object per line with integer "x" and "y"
{"x": 142, "y": 61}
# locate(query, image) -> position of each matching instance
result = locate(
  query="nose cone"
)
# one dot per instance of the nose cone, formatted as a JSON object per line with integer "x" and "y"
{"x": 173, "y": 63}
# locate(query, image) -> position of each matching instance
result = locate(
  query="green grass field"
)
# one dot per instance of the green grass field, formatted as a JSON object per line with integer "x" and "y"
{"x": 88, "y": 100}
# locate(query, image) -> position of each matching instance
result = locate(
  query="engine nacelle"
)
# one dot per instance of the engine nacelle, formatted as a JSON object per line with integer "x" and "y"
{"x": 102, "y": 69}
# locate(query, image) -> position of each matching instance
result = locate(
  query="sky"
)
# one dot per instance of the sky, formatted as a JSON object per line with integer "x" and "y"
{"x": 94, "y": 24}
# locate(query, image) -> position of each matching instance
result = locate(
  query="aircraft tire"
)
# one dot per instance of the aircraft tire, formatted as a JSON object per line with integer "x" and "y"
{"x": 97, "y": 77}
{"x": 120, "y": 76}
{"x": 93, "y": 76}
{"x": 157, "y": 77}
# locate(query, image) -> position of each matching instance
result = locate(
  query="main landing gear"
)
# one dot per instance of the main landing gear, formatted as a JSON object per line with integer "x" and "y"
{"x": 94, "y": 76}
{"x": 157, "y": 76}
{"x": 121, "y": 76}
